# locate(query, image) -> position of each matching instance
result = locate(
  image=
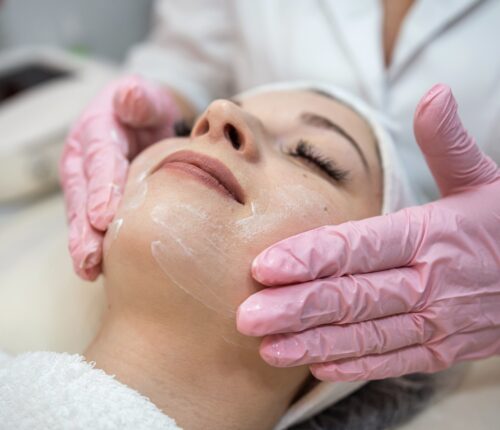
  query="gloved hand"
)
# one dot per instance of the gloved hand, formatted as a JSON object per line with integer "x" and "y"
{"x": 412, "y": 291}
{"x": 126, "y": 117}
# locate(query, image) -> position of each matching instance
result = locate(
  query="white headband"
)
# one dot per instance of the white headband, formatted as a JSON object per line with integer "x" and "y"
{"x": 397, "y": 194}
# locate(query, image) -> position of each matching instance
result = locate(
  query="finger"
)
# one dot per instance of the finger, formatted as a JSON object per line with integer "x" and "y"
{"x": 105, "y": 166}
{"x": 335, "y": 342}
{"x": 466, "y": 345}
{"x": 368, "y": 245}
{"x": 417, "y": 358}
{"x": 454, "y": 158}
{"x": 84, "y": 241}
{"x": 342, "y": 300}
{"x": 139, "y": 104}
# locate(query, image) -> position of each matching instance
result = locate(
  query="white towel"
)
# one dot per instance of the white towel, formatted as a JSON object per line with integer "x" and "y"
{"x": 59, "y": 391}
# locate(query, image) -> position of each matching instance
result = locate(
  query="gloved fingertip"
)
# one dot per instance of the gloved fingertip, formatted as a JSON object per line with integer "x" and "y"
{"x": 434, "y": 100}
{"x": 101, "y": 220}
{"x": 437, "y": 91}
{"x": 271, "y": 267}
{"x": 90, "y": 274}
{"x": 284, "y": 350}
{"x": 132, "y": 103}
{"x": 87, "y": 266}
{"x": 324, "y": 373}
{"x": 102, "y": 206}
{"x": 434, "y": 116}
{"x": 347, "y": 371}
{"x": 259, "y": 269}
{"x": 85, "y": 247}
{"x": 271, "y": 352}
{"x": 91, "y": 258}
{"x": 247, "y": 317}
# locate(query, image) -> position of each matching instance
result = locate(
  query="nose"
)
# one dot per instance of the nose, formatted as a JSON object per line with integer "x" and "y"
{"x": 224, "y": 121}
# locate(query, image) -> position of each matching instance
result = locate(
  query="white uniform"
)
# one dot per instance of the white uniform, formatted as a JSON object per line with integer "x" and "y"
{"x": 214, "y": 48}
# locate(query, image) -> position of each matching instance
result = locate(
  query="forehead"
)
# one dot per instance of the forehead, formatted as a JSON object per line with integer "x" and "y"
{"x": 289, "y": 103}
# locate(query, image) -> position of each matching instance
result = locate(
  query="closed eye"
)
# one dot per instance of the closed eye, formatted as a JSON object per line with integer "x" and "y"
{"x": 306, "y": 151}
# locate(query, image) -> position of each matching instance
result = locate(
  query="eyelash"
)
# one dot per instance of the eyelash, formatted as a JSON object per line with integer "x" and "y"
{"x": 306, "y": 151}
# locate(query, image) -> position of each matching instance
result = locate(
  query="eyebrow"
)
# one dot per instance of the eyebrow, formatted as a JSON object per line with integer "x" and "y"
{"x": 319, "y": 121}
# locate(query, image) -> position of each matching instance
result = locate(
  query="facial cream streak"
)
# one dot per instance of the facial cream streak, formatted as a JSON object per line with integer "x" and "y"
{"x": 175, "y": 247}
{"x": 136, "y": 196}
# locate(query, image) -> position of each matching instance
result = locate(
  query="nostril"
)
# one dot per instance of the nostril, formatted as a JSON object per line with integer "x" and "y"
{"x": 232, "y": 134}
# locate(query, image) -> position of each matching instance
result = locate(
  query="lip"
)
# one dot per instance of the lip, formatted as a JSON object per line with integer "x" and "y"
{"x": 208, "y": 170}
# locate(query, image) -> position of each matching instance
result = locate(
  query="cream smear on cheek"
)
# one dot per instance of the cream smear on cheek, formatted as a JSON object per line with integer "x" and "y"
{"x": 176, "y": 247}
{"x": 136, "y": 195}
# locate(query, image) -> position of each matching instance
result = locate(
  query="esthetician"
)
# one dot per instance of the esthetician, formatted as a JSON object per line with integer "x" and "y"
{"x": 413, "y": 291}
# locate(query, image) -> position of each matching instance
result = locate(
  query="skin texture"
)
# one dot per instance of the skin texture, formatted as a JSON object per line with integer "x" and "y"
{"x": 177, "y": 261}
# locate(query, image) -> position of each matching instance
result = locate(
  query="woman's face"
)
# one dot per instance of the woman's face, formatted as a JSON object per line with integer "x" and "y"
{"x": 197, "y": 210}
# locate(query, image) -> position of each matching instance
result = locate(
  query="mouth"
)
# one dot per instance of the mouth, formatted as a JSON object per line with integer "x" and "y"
{"x": 207, "y": 170}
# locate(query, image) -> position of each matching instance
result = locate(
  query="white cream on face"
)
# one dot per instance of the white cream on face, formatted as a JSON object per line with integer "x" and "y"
{"x": 112, "y": 234}
{"x": 176, "y": 247}
{"x": 285, "y": 204}
{"x": 217, "y": 288}
{"x": 136, "y": 195}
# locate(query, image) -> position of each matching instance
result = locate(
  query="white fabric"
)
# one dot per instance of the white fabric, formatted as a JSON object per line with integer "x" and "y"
{"x": 59, "y": 391}
{"x": 216, "y": 48}
{"x": 397, "y": 194}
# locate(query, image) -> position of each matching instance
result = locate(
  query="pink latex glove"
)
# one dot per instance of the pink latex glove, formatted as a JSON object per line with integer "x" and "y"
{"x": 126, "y": 117}
{"x": 413, "y": 291}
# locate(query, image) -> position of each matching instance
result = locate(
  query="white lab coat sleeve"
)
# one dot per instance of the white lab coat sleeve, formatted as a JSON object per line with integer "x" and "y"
{"x": 189, "y": 49}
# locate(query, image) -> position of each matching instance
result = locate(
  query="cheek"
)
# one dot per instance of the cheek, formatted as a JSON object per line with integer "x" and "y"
{"x": 280, "y": 211}
{"x": 299, "y": 199}
{"x": 127, "y": 263}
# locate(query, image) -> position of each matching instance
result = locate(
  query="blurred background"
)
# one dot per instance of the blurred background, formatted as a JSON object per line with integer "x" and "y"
{"x": 54, "y": 55}
{"x": 101, "y": 28}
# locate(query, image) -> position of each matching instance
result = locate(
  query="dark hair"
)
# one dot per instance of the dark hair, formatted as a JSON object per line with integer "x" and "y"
{"x": 381, "y": 405}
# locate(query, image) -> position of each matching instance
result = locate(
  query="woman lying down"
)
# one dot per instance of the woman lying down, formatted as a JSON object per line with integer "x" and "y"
{"x": 273, "y": 162}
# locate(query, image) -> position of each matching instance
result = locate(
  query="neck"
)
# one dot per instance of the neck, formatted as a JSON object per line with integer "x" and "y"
{"x": 193, "y": 375}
